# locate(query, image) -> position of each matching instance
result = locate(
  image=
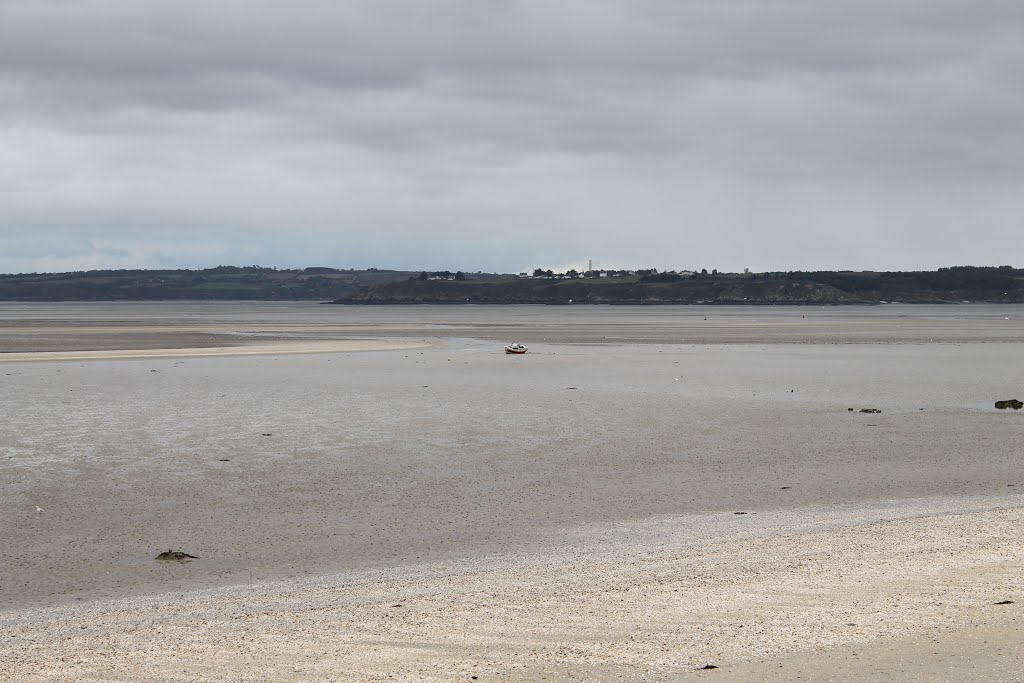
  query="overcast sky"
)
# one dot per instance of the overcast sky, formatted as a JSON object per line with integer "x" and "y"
{"x": 505, "y": 135}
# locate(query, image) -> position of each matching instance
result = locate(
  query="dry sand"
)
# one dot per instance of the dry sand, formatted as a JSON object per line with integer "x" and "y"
{"x": 814, "y": 594}
{"x": 567, "y": 515}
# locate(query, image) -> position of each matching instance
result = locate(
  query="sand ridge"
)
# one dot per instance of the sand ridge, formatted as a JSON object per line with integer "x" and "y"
{"x": 264, "y": 348}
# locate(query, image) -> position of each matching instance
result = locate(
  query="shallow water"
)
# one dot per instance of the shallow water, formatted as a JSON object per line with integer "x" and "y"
{"x": 386, "y": 459}
{"x": 34, "y": 326}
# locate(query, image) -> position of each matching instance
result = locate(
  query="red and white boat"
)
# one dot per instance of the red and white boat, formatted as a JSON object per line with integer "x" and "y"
{"x": 516, "y": 348}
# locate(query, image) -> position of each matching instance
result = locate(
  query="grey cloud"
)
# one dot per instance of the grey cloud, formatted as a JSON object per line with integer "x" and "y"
{"x": 357, "y": 45}
{"x": 440, "y": 125}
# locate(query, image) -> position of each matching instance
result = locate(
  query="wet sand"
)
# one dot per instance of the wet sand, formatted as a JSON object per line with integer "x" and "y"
{"x": 535, "y": 516}
{"x": 63, "y": 327}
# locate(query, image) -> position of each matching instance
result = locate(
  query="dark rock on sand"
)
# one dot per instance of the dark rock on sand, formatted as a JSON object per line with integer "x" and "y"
{"x": 1010, "y": 403}
{"x": 870, "y": 410}
{"x": 176, "y": 556}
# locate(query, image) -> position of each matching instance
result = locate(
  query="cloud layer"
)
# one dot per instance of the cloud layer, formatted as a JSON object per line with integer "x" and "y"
{"x": 499, "y": 136}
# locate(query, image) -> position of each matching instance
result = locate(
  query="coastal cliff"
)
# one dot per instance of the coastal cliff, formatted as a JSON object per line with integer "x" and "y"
{"x": 825, "y": 288}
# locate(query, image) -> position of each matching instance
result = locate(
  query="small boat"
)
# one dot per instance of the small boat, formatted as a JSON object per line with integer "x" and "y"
{"x": 516, "y": 347}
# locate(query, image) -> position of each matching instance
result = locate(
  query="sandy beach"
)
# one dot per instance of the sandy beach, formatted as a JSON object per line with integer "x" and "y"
{"x": 902, "y": 593}
{"x": 639, "y": 497}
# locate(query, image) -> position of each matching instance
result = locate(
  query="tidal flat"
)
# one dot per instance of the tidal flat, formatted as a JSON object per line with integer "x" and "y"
{"x": 647, "y": 492}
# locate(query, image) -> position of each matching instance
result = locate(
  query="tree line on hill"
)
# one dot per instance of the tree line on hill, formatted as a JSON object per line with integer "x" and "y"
{"x": 956, "y": 283}
{"x": 950, "y": 278}
{"x": 218, "y": 283}
{"x": 649, "y": 286}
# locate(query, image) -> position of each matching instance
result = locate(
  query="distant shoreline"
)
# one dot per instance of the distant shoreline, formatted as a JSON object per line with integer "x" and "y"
{"x": 1002, "y": 284}
{"x": 948, "y": 286}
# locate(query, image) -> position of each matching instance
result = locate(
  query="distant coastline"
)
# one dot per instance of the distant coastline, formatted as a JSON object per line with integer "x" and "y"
{"x": 223, "y": 283}
{"x": 959, "y": 284}
{"x": 946, "y": 286}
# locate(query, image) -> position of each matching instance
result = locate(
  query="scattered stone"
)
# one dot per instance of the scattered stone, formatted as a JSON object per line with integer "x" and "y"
{"x": 225, "y": 459}
{"x": 849, "y": 410}
{"x": 1005, "y": 602}
{"x": 176, "y": 556}
{"x": 741, "y": 513}
{"x": 570, "y": 387}
{"x": 707, "y": 667}
{"x": 267, "y": 434}
{"x": 398, "y": 604}
{"x": 786, "y": 487}
{"x": 1010, "y": 403}
{"x": 870, "y": 410}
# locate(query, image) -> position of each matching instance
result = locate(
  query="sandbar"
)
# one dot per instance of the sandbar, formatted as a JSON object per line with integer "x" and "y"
{"x": 267, "y": 348}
